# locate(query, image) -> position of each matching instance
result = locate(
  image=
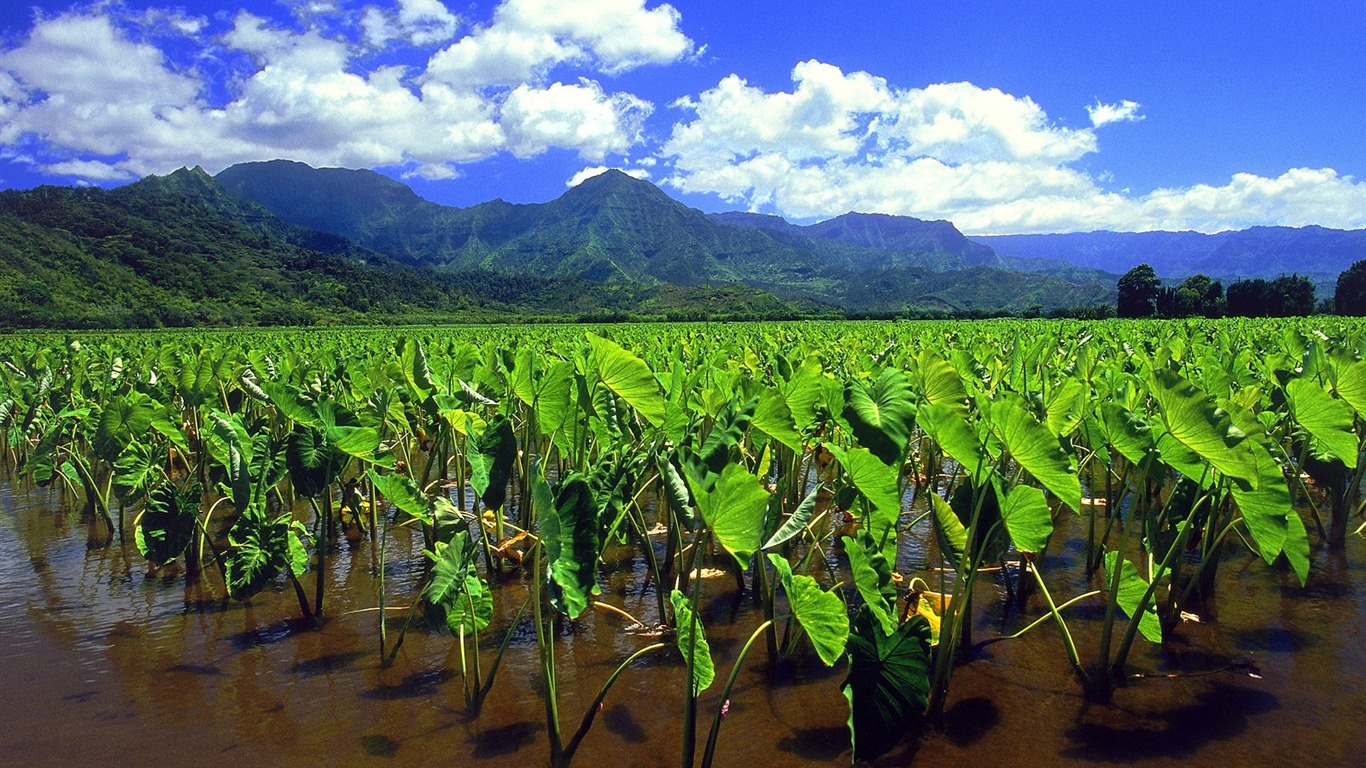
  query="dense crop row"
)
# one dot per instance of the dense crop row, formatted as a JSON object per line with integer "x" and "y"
{"x": 760, "y": 449}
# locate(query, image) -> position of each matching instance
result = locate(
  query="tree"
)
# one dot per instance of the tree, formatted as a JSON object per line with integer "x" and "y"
{"x": 1295, "y": 295}
{"x": 1249, "y": 298}
{"x": 1201, "y": 296}
{"x": 1350, "y": 296}
{"x": 1137, "y": 292}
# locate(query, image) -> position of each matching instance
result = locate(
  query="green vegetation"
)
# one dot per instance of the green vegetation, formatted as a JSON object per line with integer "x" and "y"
{"x": 178, "y": 251}
{"x": 350, "y": 248}
{"x": 1141, "y": 295}
{"x": 802, "y": 459}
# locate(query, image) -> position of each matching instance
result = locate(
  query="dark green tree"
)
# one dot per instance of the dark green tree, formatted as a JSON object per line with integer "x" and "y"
{"x": 1250, "y": 298}
{"x": 1198, "y": 295}
{"x": 1350, "y": 296}
{"x": 1295, "y": 295}
{"x": 1138, "y": 290}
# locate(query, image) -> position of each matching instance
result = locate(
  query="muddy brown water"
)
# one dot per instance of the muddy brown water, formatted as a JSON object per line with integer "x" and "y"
{"x": 104, "y": 663}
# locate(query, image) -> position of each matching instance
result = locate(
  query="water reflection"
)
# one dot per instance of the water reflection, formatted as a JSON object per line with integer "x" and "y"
{"x": 152, "y": 667}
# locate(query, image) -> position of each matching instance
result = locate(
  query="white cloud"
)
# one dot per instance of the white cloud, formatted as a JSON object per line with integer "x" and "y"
{"x": 88, "y": 89}
{"x": 528, "y": 38}
{"x": 989, "y": 161}
{"x": 621, "y": 34}
{"x": 598, "y": 170}
{"x": 1124, "y": 112}
{"x": 581, "y": 116}
{"x": 419, "y": 22}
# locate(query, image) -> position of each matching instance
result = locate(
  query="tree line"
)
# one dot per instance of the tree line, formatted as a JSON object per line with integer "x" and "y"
{"x": 1142, "y": 294}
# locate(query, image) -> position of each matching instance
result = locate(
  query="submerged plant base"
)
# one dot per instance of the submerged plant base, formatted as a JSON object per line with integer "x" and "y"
{"x": 150, "y": 669}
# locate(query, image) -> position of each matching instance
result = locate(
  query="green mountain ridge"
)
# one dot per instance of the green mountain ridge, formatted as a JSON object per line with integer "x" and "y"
{"x": 613, "y": 228}
{"x": 178, "y": 250}
{"x": 283, "y": 243}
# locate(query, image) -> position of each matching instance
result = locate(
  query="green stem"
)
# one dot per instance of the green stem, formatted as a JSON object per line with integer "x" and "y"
{"x": 710, "y": 749}
{"x": 592, "y": 712}
{"x": 1067, "y": 641}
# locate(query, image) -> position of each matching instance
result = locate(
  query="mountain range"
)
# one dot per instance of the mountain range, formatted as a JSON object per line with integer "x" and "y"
{"x": 281, "y": 242}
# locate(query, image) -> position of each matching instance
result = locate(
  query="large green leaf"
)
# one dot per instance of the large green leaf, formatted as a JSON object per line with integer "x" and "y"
{"x": 1297, "y": 546}
{"x": 821, "y": 613}
{"x": 1266, "y": 506}
{"x": 629, "y": 377}
{"x": 949, "y": 531}
{"x": 491, "y": 455}
{"x": 292, "y": 403}
{"x": 939, "y": 382}
{"x": 403, "y": 493}
{"x": 138, "y": 467}
{"x": 1197, "y": 423}
{"x": 873, "y": 579}
{"x": 570, "y": 533}
{"x": 1027, "y": 518}
{"x": 166, "y": 525}
{"x": 413, "y": 363}
{"x": 1126, "y": 431}
{"x": 1328, "y": 420}
{"x": 692, "y": 642}
{"x": 888, "y": 684}
{"x": 1036, "y": 449}
{"x": 1132, "y": 587}
{"x": 1351, "y": 386}
{"x": 803, "y": 392}
{"x": 344, "y": 431}
{"x": 733, "y": 508}
{"x": 774, "y": 418}
{"x": 123, "y": 419}
{"x": 313, "y": 462}
{"x": 796, "y": 522}
{"x": 259, "y": 552}
{"x": 949, "y": 428}
{"x": 454, "y": 586}
{"x": 237, "y": 454}
{"x": 881, "y": 414}
{"x": 877, "y": 483}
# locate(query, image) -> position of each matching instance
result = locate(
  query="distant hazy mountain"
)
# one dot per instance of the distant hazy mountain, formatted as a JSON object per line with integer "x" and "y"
{"x": 1255, "y": 252}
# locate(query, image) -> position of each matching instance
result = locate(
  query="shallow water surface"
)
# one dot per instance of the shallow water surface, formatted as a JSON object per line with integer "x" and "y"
{"x": 102, "y": 662}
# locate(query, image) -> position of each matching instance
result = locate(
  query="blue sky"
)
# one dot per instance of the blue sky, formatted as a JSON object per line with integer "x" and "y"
{"x": 1000, "y": 116}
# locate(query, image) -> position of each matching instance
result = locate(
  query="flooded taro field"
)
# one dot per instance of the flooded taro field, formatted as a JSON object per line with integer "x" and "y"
{"x": 781, "y": 544}
{"x": 103, "y": 661}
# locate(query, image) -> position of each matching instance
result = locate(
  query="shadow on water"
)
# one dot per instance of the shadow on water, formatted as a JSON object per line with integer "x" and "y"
{"x": 504, "y": 740}
{"x": 415, "y": 686}
{"x": 328, "y": 663}
{"x": 619, "y": 720}
{"x": 1219, "y": 713}
{"x": 203, "y": 670}
{"x": 967, "y": 721}
{"x": 823, "y": 744}
{"x": 377, "y": 745}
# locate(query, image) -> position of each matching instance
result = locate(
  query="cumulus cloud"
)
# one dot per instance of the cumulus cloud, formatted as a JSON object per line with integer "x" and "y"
{"x": 1124, "y": 112}
{"x": 419, "y": 22}
{"x": 989, "y": 161}
{"x": 527, "y": 39}
{"x": 100, "y": 100}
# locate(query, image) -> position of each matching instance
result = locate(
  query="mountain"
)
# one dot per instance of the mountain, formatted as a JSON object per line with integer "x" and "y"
{"x": 613, "y": 228}
{"x": 1257, "y": 252}
{"x": 179, "y": 250}
{"x": 862, "y": 241}
{"x": 281, "y": 242}
{"x": 610, "y": 228}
